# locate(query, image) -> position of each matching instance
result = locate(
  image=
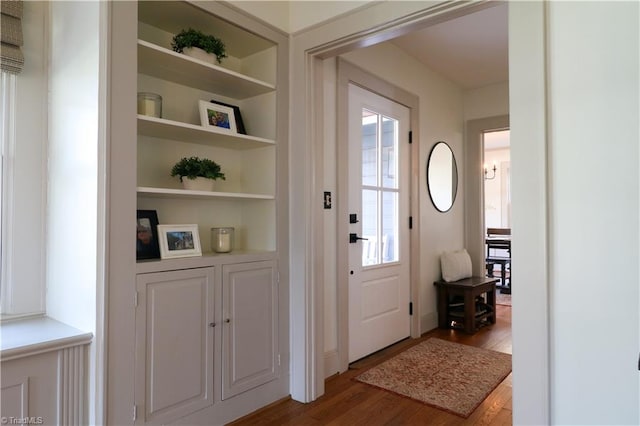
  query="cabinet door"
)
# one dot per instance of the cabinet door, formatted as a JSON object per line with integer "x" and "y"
{"x": 250, "y": 326}
{"x": 174, "y": 344}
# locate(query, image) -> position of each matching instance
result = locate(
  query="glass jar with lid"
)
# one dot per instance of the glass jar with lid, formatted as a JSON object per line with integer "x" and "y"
{"x": 150, "y": 104}
{"x": 222, "y": 239}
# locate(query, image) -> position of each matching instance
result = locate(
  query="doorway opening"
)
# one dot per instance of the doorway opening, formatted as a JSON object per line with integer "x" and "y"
{"x": 497, "y": 210}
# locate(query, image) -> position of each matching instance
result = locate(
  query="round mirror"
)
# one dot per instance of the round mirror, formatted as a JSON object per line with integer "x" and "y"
{"x": 442, "y": 177}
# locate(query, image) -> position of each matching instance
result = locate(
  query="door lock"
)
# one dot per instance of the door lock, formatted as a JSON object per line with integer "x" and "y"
{"x": 353, "y": 238}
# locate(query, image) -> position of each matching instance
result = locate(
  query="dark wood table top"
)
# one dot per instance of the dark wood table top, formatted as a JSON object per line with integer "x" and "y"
{"x": 467, "y": 282}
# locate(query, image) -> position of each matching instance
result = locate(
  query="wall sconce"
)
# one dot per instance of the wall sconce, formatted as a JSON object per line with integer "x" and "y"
{"x": 486, "y": 172}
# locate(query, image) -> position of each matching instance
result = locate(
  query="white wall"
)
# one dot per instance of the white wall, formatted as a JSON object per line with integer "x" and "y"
{"x": 293, "y": 16}
{"x": 488, "y": 101}
{"x": 494, "y": 190}
{"x": 574, "y": 108}
{"x": 594, "y": 245}
{"x": 304, "y": 14}
{"x": 440, "y": 120}
{"x": 73, "y": 164}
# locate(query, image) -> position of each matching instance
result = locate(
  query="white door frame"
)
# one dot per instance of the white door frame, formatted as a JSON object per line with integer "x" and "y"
{"x": 379, "y": 22}
{"x": 474, "y": 228}
{"x": 349, "y": 73}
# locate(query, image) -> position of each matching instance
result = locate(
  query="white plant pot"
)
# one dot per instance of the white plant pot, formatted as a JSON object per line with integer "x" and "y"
{"x": 197, "y": 53}
{"x": 198, "y": 184}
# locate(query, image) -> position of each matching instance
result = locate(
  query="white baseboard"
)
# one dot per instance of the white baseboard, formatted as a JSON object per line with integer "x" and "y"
{"x": 428, "y": 322}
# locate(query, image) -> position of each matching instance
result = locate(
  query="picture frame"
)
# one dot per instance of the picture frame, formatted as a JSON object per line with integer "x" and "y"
{"x": 219, "y": 117}
{"x": 179, "y": 241}
{"x": 147, "y": 246}
{"x": 236, "y": 111}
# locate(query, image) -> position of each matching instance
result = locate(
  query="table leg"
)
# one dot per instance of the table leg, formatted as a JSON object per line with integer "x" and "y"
{"x": 491, "y": 301}
{"x": 469, "y": 312}
{"x": 443, "y": 306}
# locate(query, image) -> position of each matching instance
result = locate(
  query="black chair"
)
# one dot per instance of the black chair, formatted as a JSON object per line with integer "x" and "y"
{"x": 498, "y": 242}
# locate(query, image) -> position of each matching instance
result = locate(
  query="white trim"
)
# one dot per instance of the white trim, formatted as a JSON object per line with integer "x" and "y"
{"x": 27, "y": 337}
{"x": 528, "y": 111}
{"x": 474, "y": 224}
{"x": 7, "y": 143}
{"x": 97, "y": 365}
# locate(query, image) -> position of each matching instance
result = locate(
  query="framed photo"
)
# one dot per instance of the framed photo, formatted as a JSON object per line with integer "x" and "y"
{"x": 179, "y": 241}
{"x": 217, "y": 116}
{"x": 236, "y": 111}
{"x": 147, "y": 235}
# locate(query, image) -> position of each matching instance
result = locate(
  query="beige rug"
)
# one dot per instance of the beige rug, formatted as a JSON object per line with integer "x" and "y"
{"x": 450, "y": 376}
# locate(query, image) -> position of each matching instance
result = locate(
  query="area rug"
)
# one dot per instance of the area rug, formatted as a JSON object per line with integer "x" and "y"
{"x": 446, "y": 375}
{"x": 503, "y": 299}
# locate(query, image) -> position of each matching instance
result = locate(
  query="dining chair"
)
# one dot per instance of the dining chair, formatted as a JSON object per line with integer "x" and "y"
{"x": 498, "y": 242}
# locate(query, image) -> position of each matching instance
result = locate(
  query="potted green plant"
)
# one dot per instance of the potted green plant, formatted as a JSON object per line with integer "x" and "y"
{"x": 200, "y": 173}
{"x": 194, "y": 39}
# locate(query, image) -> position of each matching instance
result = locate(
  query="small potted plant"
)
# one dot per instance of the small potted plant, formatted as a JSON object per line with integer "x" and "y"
{"x": 200, "y": 173}
{"x": 190, "y": 41}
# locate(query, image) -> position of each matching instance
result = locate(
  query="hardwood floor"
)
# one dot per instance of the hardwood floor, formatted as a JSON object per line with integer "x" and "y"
{"x": 347, "y": 402}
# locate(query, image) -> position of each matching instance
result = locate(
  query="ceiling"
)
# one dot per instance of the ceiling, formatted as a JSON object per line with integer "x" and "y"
{"x": 471, "y": 51}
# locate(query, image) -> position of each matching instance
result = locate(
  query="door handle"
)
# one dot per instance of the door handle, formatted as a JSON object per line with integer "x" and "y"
{"x": 353, "y": 238}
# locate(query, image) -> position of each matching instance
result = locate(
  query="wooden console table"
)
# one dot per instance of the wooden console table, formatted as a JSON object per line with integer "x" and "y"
{"x": 469, "y": 289}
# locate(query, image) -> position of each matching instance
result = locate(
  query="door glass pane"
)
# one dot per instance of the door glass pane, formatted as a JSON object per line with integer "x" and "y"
{"x": 389, "y": 243}
{"x": 369, "y": 147}
{"x": 370, "y": 227}
{"x": 379, "y": 188}
{"x": 389, "y": 149}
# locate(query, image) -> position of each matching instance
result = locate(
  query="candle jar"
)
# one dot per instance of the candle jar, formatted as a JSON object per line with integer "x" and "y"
{"x": 150, "y": 104}
{"x": 222, "y": 239}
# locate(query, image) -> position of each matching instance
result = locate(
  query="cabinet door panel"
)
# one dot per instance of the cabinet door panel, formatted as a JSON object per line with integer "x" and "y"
{"x": 175, "y": 343}
{"x": 250, "y": 335}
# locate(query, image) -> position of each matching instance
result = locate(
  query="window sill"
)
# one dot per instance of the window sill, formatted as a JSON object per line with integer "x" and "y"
{"x": 26, "y": 337}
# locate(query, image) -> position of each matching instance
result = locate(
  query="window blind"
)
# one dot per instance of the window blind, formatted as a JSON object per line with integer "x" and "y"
{"x": 11, "y": 57}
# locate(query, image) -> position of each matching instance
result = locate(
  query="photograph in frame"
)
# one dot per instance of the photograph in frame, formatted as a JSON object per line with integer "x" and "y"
{"x": 179, "y": 241}
{"x": 236, "y": 111}
{"x": 218, "y": 117}
{"x": 147, "y": 246}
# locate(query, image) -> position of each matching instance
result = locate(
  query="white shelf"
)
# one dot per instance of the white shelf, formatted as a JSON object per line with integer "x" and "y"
{"x": 166, "y": 64}
{"x": 174, "y": 16}
{"x": 206, "y": 260}
{"x": 175, "y": 130}
{"x": 183, "y": 193}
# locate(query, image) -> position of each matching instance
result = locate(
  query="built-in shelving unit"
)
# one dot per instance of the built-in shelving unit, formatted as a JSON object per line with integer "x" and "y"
{"x": 246, "y": 79}
{"x": 166, "y": 64}
{"x": 202, "y": 339}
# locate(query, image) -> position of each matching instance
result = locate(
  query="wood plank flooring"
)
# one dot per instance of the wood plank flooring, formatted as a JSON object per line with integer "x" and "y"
{"x": 347, "y": 402}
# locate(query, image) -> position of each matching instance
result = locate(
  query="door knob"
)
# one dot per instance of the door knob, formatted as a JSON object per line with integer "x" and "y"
{"x": 353, "y": 238}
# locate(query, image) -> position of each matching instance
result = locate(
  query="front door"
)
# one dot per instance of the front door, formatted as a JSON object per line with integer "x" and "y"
{"x": 379, "y": 279}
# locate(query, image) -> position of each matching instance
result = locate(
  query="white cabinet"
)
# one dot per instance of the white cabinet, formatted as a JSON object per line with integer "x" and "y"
{"x": 250, "y": 338}
{"x": 203, "y": 337}
{"x": 174, "y": 344}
